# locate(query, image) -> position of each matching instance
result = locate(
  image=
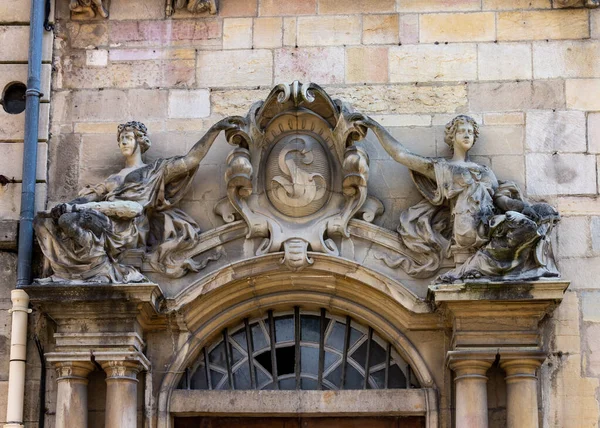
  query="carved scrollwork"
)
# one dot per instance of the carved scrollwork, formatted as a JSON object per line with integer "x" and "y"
{"x": 295, "y": 175}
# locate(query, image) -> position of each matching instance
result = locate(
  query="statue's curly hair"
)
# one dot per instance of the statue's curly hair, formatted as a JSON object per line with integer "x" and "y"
{"x": 450, "y": 131}
{"x": 140, "y": 132}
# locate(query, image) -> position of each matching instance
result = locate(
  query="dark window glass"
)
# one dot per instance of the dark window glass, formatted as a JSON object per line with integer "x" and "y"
{"x": 354, "y": 379}
{"x": 308, "y": 384}
{"x": 259, "y": 340}
{"x": 397, "y": 378}
{"x": 287, "y": 384}
{"x": 286, "y": 360}
{"x": 309, "y": 360}
{"x": 379, "y": 378}
{"x": 378, "y": 354}
{"x": 335, "y": 377}
{"x": 284, "y": 329}
{"x": 330, "y": 359}
{"x": 198, "y": 380}
{"x": 217, "y": 356}
{"x": 310, "y": 326}
{"x": 264, "y": 360}
{"x": 262, "y": 377}
{"x": 360, "y": 355}
{"x": 336, "y": 337}
{"x": 240, "y": 338}
{"x": 215, "y": 378}
{"x": 235, "y": 354}
{"x": 241, "y": 377}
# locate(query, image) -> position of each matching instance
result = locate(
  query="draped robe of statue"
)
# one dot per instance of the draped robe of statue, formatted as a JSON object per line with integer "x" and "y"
{"x": 163, "y": 232}
{"x": 458, "y": 212}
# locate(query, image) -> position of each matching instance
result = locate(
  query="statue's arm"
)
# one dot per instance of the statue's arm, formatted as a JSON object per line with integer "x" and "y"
{"x": 398, "y": 152}
{"x": 192, "y": 159}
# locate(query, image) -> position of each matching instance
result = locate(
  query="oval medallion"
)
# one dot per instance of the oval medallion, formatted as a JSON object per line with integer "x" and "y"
{"x": 298, "y": 175}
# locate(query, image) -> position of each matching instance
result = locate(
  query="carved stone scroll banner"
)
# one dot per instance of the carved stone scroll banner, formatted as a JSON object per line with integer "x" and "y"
{"x": 295, "y": 175}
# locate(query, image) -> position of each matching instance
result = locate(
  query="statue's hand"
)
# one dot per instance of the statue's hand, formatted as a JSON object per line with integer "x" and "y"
{"x": 231, "y": 123}
{"x": 61, "y": 209}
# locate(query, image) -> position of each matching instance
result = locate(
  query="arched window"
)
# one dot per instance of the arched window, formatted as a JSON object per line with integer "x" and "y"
{"x": 304, "y": 350}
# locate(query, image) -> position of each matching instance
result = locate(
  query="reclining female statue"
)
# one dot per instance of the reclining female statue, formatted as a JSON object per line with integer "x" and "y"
{"x": 466, "y": 209}
{"x": 85, "y": 239}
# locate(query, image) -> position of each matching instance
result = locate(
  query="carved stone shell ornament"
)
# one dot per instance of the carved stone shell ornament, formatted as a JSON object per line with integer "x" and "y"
{"x": 295, "y": 175}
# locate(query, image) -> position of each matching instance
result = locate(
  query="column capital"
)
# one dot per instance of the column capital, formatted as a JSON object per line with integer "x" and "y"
{"x": 521, "y": 364}
{"x": 75, "y": 371}
{"x": 470, "y": 364}
{"x": 122, "y": 370}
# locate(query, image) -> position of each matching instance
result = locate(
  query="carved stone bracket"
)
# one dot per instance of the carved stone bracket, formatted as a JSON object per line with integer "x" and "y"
{"x": 83, "y": 10}
{"x": 295, "y": 175}
{"x": 192, "y": 6}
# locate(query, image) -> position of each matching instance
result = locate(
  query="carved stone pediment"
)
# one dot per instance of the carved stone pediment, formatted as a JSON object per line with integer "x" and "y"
{"x": 295, "y": 175}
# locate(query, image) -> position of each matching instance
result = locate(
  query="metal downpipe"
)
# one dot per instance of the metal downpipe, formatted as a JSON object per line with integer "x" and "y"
{"x": 32, "y": 114}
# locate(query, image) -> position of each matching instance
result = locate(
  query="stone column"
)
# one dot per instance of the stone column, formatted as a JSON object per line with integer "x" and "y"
{"x": 521, "y": 389}
{"x": 471, "y": 387}
{"x": 121, "y": 393}
{"x": 72, "y": 394}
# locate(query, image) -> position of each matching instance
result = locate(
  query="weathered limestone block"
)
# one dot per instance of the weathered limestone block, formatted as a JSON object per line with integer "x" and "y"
{"x": 86, "y": 35}
{"x": 322, "y": 64}
{"x": 329, "y": 30}
{"x": 268, "y": 33}
{"x": 234, "y": 102}
{"x": 566, "y": 59}
{"x": 582, "y": 94}
{"x": 504, "y": 61}
{"x": 237, "y": 33}
{"x": 360, "y": 6}
{"x": 234, "y": 68}
{"x": 549, "y": 174}
{"x": 556, "y": 131}
{"x": 12, "y": 11}
{"x": 438, "y": 6}
{"x": 64, "y": 168}
{"x": 14, "y": 40}
{"x": 409, "y": 29}
{"x": 540, "y": 25}
{"x": 516, "y": 4}
{"x": 11, "y": 155}
{"x": 595, "y": 234}
{"x": 395, "y": 99}
{"x": 10, "y": 199}
{"x": 500, "y": 140}
{"x": 516, "y": 118}
{"x": 287, "y": 7}
{"x": 590, "y": 306}
{"x": 379, "y": 29}
{"x": 96, "y": 58}
{"x": 573, "y": 237}
{"x": 12, "y": 126}
{"x": 510, "y": 168}
{"x": 430, "y": 63}
{"x": 198, "y": 33}
{"x": 519, "y": 96}
{"x": 137, "y": 10}
{"x": 189, "y": 104}
{"x": 593, "y": 132}
{"x": 18, "y": 73}
{"x": 366, "y": 64}
{"x": 289, "y": 32}
{"x": 457, "y": 27}
{"x": 233, "y": 8}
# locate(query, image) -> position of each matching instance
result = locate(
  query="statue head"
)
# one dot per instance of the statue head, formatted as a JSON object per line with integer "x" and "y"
{"x": 139, "y": 131}
{"x": 459, "y": 123}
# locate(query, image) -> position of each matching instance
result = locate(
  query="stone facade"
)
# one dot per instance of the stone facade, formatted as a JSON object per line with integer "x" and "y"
{"x": 526, "y": 70}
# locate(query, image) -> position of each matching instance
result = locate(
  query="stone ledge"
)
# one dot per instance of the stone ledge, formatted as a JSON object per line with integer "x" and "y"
{"x": 498, "y": 291}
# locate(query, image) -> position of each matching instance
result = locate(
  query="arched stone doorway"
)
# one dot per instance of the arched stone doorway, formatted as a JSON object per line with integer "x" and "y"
{"x": 380, "y": 311}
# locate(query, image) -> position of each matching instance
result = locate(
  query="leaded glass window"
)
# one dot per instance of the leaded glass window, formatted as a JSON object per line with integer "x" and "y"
{"x": 299, "y": 350}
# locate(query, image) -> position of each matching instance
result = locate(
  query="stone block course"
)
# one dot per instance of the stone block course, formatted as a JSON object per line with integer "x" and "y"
{"x": 431, "y": 63}
{"x": 511, "y": 168}
{"x": 13, "y": 11}
{"x": 10, "y": 200}
{"x": 540, "y": 25}
{"x": 556, "y": 131}
{"x": 504, "y": 61}
{"x": 237, "y": 33}
{"x": 566, "y": 59}
{"x": 235, "y": 102}
{"x": 504, "y": 118}
{"x": 561, "y": 174}
{"x": 516, "y": 96}
{"x": 593, "y": 132}
{"x": 287, "y": 7}
{"x": 14, "y": 40}
{"x": 147, "y": 54}
{"x": 409, "y": 29}
{"x": 516, "y": 4}
{"x": 582, "y": 94}
{"x": 197, "y": 33}
{"x": 12, "y": 126}
{"x": 136, "y": 9}
{"x": 337, "y": 7}
{"x": 457, "y": 27}
{"x": 232, "y": 8}
{"x": 380, "y": 29}
{"x": 11, "y": 155}
{"x": 399, "y": 99}
{"x": 189, "y": 104}
{"x": 324, "y": 65}
{"x": 234, "y": 68}
{"x": 289, "y": 32}
{"x": 499, "y": 140}
{"x": 86, "y": 35}
{"x": 329, "y": 30}
{"x": 268, "y": 32}
{"x": 573, "y": 237}
{"x": 437, "y": 5}
{"x": 10, "y": 73}
{"x": 366, "y": 65}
